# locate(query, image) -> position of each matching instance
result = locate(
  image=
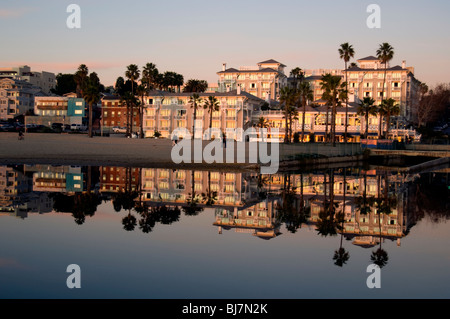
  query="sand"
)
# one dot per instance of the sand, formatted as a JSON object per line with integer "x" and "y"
{"x": 79, "y": 149}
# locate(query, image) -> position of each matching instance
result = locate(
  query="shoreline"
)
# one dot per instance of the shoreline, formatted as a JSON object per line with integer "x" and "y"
{"x": 116, "y": 150}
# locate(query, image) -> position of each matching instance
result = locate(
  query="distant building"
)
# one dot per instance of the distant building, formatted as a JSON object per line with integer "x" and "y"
{"x": 263, "y": 80}
{"x": 16, "y": 98}
{"x": 44, "y": 80}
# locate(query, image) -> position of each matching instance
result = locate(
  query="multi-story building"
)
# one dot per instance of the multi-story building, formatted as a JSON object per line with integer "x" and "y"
{"x": 44, "y": 80}
{"x": 165, "y": 111}
{"x": 316, "y": 124}
{"x": 57, "y": 109}
{"x": 114, "y": 114}
{"x": 400, "y": 84}
{"x": 263, "y": 81}
{"x": 16, "y": 98}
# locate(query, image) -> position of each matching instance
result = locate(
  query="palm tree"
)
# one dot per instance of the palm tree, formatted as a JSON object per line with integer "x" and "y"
{"x": 389, "y": 108}
{"x": 306, "y": 94}
{"x": 346, "y": 52}
{"x": 288, "y": 97}
{"x": 333, "y": 91}
{"x": 81, "y": 78}
{"x": 195, "y": 102}
{"x": 149, "y": 76}
{"x": 298, "y": 75}
{"x": 91, "y": 95}
{"x": 140, "y": 90}
{"x": 132, "y": 73}
{"x": 212, "y": 105}
{"x": 129, "y": 100}
{"x": 385, "y": 53}
{"x": 366, "y": 108}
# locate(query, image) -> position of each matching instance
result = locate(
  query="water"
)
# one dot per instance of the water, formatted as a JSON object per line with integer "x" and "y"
{"x": 250, "y": 242}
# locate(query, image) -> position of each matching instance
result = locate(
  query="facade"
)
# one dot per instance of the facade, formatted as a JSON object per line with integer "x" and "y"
{"x": 366, "y": 80}
{"x": 165, "y": 111}
{"x": 114, "y": 114}
{"x": 57, "y": 109}
{"x": 44, "y": 80}
{"x": 263, "y": 81}
{"x": 315, "y": 123}
{"x": 16, "y": 98}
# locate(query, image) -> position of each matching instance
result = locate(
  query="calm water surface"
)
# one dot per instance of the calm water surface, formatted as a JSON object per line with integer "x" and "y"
{"x": 140, "y": 233}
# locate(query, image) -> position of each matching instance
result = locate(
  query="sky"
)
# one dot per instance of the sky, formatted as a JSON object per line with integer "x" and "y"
{"x": 195, "y": 37}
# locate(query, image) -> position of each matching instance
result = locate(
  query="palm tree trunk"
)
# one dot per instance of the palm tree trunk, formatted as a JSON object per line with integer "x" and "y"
{"x": 346, "y": 106}
{"x": 303, "y": 121}
{"x": 90, "y": 119}
{"x": 333, "y": 124}
{"x": 366, "y": 133}
{"x": 326, "y": 125}
{"x": 286, "y": 129}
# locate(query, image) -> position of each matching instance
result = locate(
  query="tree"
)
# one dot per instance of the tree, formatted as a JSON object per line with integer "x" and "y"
{"x": 195, "y": 102}
{"x": 65, "y": 83}
{"x": 298, "y": 76}
{"x": 194, "y": 85}
{"x": 81, "y": 78}
{"x": 385, "y": 53}
{"x": 150, "y": 76}
{"x": 262, "y": 122}
{"x": 433, "y": 103}
{"x": 366, "y": 108}
{"x": 346, "y": 52}
{"x": 306, "y": 94}
{"x": 132, "y": 73}
{"x": 288, "y": 97}
{"x": 140, "y": 90}
{"x": 91, "y": 95}
{"x": 387, "y": 109}
{"x": 129, "y": 100}
{"x": 334, "y": 91}
{"x": 212, "y": 105}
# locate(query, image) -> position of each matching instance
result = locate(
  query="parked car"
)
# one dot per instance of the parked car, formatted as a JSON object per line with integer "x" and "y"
{"x": 7, "y": 128}
{"x": 57, "y": 126}
{"x": 78, "y": 127}
{"x": 117, "y": 129}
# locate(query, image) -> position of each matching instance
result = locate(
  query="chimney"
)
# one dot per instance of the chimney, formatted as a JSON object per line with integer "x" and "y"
{"x": 404, "y": 64}
{"x": 228, "y": 88}
{"x": 238, "y": 89}
{"x": 224, "y": 67}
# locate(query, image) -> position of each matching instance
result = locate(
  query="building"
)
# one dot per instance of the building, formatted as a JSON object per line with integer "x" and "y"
{"x": 315, "y": 122}
{"x": 263, "y": 80}
{"x": 44, "y": 80}
{"x": 114, "y": 114}
{"x": 57, "y": 109}
{"x": 366, "y": 80}
{"x": 166, "y": 111}
{"x": 16, "y": 98}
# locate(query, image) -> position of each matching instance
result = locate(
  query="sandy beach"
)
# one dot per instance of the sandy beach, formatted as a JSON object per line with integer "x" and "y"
{"x": 78, "y": 149}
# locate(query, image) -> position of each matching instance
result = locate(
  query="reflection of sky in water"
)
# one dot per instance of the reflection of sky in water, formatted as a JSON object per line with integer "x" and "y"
{"x": 189, "y": 259}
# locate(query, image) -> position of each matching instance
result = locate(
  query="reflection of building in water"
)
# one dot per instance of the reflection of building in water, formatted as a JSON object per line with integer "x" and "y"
{"x": 63, "y": 179}
{"x": 176, "y": 186}
{"x": 364, "y": 229}
{"x": 119, "y": 179}
{"x": 17, "y": 197}
{"x": 260, "y": 220}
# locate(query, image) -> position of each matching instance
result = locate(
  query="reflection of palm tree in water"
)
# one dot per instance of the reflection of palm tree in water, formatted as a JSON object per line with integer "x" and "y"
{"x": 385, "y": 204}
{"x": 329, "y": 218}
{"x": 341, "y": 256}
{"x": 292, "y": 211}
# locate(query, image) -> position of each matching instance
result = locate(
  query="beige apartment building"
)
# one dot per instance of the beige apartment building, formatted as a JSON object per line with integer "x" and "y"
{"x": 263, "y": 80}
{"x": 366, "y": 80}
{"x": 166, "y": 111}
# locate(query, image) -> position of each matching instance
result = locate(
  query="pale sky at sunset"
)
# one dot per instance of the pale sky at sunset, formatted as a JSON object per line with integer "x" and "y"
{"x": 195, "y": 37}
